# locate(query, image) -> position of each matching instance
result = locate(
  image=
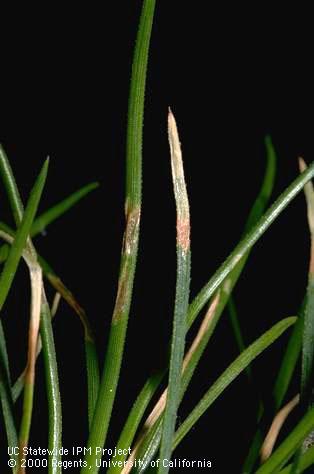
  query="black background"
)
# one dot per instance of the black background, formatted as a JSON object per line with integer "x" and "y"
{"x": 231, "y": 75}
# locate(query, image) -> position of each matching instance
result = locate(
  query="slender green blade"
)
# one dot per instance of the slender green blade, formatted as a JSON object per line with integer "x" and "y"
{"x": 93, "y": 378}
{"x": 237, "y": 366}
{"x": 11, "y": 187}
{"x": 308, "y": 345}
{"x": 4, "y": 354}
{"x": 18, "y": 386}
{"x": 115, "y": 348}
{"x": 306, "y": 460}
{"x": 289, "y": 362}
{"x": 6, "y": 394}
{"x": 134, "y": 418}
{"x": 266, "y": 190}
{"x": 22, "y": 234}
{"x": 136, "y": 106}
{"x": 149, "y": 447}
{"x": 53, "y": 393}
{"x": 4, "y": 252}
{"x": 56, "y": 211}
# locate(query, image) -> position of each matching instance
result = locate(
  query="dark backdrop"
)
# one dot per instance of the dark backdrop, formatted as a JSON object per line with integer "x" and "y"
{"x": 231, "y": 75}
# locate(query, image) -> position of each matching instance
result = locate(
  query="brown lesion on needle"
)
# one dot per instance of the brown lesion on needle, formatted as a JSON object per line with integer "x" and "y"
{"x": 182, "y": 203}
{"x": 129, "y": 248}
